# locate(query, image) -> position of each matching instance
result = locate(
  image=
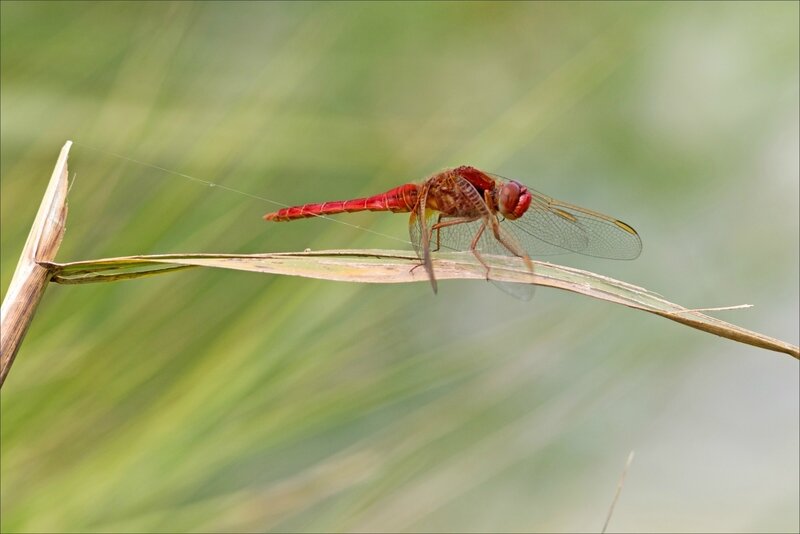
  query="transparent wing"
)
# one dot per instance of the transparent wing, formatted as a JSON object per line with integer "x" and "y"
{"x": 417, "y": 226}
{"x": 553, "y": 223}
{"x": 534, "y": 246}
{"x": 459, "y": 237}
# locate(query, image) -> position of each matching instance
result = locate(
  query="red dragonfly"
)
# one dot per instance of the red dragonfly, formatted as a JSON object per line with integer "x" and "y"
{"x": 467, "y": 209}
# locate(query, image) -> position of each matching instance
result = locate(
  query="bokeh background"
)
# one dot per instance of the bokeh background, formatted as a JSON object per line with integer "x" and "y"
{"x": 223, "y": 401}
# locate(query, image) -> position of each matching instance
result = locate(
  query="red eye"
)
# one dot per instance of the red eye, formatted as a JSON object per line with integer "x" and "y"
{"x": 509, "y": 195}
{"x": 514, "y": 200}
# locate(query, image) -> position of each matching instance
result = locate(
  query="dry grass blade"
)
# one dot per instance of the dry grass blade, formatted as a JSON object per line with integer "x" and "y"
{"x": 31, "y": 277}
{"x": 386, "y": 266}
{"x": 617, "y": 493}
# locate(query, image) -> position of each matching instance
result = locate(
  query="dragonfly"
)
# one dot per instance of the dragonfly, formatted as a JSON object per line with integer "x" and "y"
{"x": 466, "y": 209}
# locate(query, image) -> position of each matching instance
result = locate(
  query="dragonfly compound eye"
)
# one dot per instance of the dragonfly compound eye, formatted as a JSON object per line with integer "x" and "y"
{"x": 514, "y": 200}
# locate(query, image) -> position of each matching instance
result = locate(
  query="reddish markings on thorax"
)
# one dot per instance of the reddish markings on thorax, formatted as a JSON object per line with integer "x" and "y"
{"x": 479, "y": 179}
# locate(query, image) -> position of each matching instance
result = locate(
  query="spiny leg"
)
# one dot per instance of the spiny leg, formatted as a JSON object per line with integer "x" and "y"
{"x": 451, "y": 222}
{"x": 510, "y": 246}
{"x": 438, "y": 233}
{"x": 460, "y": 220}
{"x": 474, "y": 248}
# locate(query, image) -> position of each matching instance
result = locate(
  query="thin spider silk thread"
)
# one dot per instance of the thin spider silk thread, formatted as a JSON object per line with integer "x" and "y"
{"x": 232, "y": 190}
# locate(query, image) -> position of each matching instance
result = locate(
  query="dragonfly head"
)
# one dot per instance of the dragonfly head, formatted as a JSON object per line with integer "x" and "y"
{"x": 513, "y": 199}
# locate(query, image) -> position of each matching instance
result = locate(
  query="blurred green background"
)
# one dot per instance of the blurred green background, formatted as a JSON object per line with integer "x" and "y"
{"x": 223, "y": 401}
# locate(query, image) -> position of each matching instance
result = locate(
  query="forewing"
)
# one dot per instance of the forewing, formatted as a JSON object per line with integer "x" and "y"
{"x": 534, "y": 246}
{"x": 558, "y": 224}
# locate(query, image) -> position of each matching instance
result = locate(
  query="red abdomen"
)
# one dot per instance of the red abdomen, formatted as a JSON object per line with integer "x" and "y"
{"x": 398, "y": 200}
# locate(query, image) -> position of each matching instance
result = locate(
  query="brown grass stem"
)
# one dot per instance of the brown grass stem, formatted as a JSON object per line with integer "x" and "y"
{"x": 31, "y": 277}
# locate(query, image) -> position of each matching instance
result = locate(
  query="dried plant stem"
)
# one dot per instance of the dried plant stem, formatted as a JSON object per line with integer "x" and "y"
{"x": 30, "y": 278}
{"x": 617, "y": 493}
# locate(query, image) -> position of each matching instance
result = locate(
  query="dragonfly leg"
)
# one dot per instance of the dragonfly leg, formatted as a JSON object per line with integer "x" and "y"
{"x": 438, "y": 233}
{"x": 474, "y": 248}
{"x": 440, "y": 223}
{"x": 417, "y": 266}
{"x": 444, "y": 224}
{"x": 452, "y": 222}
{"x": 474, "y": 245}
{"x": 510, "y": 246}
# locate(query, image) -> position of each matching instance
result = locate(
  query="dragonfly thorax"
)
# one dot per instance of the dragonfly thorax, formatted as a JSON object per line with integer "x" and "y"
{"x": 513, "y": 199}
